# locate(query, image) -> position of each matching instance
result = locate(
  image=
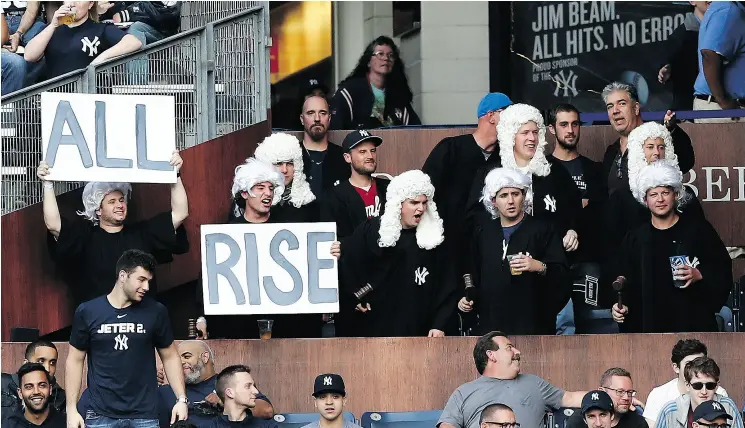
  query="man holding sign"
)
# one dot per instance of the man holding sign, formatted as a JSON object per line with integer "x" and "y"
{"x": 396, "y": 276}
{"x": 88, "y": 249}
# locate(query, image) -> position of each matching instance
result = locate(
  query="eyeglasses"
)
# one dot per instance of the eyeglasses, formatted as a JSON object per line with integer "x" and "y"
{"x": 703, "y": 424}
{"x": 384, "y": 55}
{"x": 503, "y": 424}
{"x": 710, "y": 386}
{"x": 619, "y": 170}
{"x": 622, "y": 392}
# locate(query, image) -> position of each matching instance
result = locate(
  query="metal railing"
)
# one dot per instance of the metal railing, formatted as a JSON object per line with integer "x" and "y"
{"x": 218, "y": 74}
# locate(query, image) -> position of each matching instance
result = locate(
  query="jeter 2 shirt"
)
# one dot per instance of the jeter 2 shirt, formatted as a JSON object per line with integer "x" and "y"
{"x": 121, "y": 360}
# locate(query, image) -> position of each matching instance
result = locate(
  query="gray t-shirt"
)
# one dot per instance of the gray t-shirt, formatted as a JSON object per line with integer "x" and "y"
{"x": 347, "y": 424}
{"x": 527, "y": 394}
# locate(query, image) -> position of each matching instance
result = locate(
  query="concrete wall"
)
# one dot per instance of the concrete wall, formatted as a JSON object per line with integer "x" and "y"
{"x": 447, "y": 60}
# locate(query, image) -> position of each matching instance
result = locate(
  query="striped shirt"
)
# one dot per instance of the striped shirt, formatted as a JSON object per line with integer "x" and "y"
{"x": 675, "y": 413}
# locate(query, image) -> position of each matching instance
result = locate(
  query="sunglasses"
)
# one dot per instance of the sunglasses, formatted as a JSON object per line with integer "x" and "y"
{"x": 503, "y": 424}
{"x": 710, "y": 386}
{"x": 703, "y": 424}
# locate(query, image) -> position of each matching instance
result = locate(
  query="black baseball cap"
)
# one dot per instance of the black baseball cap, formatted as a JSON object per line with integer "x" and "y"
{"x": 311, "y": 85}
{"x": 356, "y": 137}
{"x": 597, "y": 400}
{"x": 329, "y": 382}
{"x": 710, "y": 410}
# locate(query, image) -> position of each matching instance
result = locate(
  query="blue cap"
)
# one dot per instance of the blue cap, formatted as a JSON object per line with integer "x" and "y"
{"x": 493, "y": 101}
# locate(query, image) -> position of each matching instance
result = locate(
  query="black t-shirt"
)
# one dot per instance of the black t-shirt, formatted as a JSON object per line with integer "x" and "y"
{"x": 248, "y": 422}
{"x": 665, "y": 244}
{"x": 88, "y": 254}
{"x": 121, "y": 360}
{"x": 17, "y": 8}
{"x": 315, "y": 179}
{"x": 16, "y": 419}
{"x": 628, "y": 420}
{"x": 574, "y": 167}
{"x": 75, "y": 48}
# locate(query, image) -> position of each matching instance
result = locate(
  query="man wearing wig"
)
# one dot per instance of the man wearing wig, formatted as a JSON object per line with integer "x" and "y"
{"x": 678, "y": 272}
{"x": 296, "y": 202}
{"x": 395, "y": 255}
{"x": 647, "y": 143}
{"x": 517, "y": 293}
{"x": 87, "y": 250}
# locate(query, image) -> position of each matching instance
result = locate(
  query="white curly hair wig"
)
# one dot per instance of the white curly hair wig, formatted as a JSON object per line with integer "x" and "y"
{"x": 498, "y": 179}
{"x": 254, "y": 171}
{"x": 637, "y": 160}
{"x": 510, "y": 121}
{"x": 660, "y": 173}
{"x": 281, "y": 147}
{"x": 409, "y": 185}
{"x": 93, "y": 195}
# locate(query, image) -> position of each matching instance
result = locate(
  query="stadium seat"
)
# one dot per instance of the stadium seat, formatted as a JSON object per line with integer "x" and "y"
{"x": 296, "y": 420}
{"x": 561, "y": 416}
{"x": 424, "y": 419}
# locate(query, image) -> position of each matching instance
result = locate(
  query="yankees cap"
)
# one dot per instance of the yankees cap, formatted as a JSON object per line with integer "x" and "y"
{"x": 710, "y": 410}
{"x": 597, "y": 400}
{"x": 357, "y": 137}
{"x": 329, "y": 382}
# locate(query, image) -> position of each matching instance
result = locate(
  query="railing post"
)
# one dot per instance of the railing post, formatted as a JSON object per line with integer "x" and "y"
{"x": 206, "y": 79}
{"x": 88, "y": 81}
{"x": 264, "y": 46}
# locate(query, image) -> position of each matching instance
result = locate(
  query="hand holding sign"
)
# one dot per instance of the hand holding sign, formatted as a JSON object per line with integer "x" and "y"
{"x": 43, "y": 171}
{"x": 336, "y": 249}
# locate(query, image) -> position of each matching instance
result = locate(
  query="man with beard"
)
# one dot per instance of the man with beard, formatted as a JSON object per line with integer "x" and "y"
{"x": 323, "y": 162}
{"x": 454, "y": 165}
{"x": 357, "y": 199}
{"x": 236, "y": 389}
{"x": 498, "y": 362}
{"x": 518, "y": 293}
{"x": 118, "y": 333}
{"x": 87, "y": 251}
{"x": 394, "y": 270}
{"x": 42, "y": 352}
{"x": 565, "y": 125}
{"x": 198, "y": 362}
{"x": 296, "y": 203}
{"x": 617, "y": 383}
{"x": 624, "y": 113}
{"x": 674, "y": 266}
{"x": 34, "y": 386}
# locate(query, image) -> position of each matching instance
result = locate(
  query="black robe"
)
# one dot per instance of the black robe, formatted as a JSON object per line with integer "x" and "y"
{"x": 409, "y": 297}
{"x": 655, "y": 305}
{"x": 343, "y": 205}
{"x": 517, "y": 304}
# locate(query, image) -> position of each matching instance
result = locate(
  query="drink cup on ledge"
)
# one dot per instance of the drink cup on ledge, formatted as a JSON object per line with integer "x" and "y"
{"x": 265, "y": 328}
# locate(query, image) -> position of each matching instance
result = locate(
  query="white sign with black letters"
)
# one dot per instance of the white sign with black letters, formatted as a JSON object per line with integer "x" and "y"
{"x": 92, "y": 137}
{"x": 282, "y": 268}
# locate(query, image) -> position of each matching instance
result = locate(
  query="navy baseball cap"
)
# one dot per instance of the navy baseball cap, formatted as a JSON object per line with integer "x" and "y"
{"x": 597, "y": 400}
{"x": 329, "y": 382}
{"x": 356, "y": 137}
{"x": 710, "y": 410}
{"x": 491, "y": 102}
{"x": 312, "y": 85}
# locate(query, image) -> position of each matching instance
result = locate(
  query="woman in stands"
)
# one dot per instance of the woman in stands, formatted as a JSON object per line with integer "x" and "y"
{"x": 376, "y": 93}
{"x": 74, "y": 40}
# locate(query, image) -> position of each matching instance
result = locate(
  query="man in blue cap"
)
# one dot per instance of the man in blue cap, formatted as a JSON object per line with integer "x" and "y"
{"x": 597, "y": 409}
{"x": 452, "y": 166}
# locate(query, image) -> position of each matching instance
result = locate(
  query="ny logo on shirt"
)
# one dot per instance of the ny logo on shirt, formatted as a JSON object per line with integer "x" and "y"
{"x": 92, "y": 46}
{"x": 550, "y": 202}
{"x": 420, "y": 275}
{"x": 373, "y": 210}
{"x": 504, "y": 249}
{"x": 120, "y": 342}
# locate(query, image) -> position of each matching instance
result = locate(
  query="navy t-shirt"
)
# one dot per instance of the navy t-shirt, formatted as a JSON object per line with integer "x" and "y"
{"x": 75, "y": 48}
{"x": 122, "y": 379}
{"x": 574, "y": 167}
{"x": 200, "y": 416}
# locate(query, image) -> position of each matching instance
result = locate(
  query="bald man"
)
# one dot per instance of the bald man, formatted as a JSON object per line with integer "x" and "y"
{"x": 198, "y": 363}
{"x": 498, "y": 414}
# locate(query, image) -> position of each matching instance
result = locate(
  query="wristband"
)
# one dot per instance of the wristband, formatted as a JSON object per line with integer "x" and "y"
{"x": 48, "y": 185}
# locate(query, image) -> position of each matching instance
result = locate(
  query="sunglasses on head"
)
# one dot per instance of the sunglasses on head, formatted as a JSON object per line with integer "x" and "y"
{"x": 710, "y": 386}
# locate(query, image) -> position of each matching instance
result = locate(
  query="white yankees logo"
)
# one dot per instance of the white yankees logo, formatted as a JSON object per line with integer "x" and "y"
{"x": 716, "y": 406}
{"x": 327, "y": 381}
{"x": 420, "y": 275}
{"x": 504, "y": 249}
{"x": 364, "y": 133}
{"x": 595, "y": 396}
{"x": 91, "y": 45}
{"x": 121, "y": 342}
{"x": 550, "y": 202}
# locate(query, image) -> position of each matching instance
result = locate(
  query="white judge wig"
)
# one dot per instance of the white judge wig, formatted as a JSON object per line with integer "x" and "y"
{"x": 281, "y": 147}
{"x": 253, "y": 172}
{"x": 93, "y": 195}
{"x": 498, "y": 179}
{"x": 510, "y": 121}
{"x": 637, "y": 160}
{"x": 409, "y": 185}
{"x": 657, "y": 174}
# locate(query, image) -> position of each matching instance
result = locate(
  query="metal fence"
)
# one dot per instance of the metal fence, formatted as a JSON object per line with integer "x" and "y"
{"x": 217, "y": 73}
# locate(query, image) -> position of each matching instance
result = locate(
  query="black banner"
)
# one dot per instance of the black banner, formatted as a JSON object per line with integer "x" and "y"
{"x": 568, "y": 51}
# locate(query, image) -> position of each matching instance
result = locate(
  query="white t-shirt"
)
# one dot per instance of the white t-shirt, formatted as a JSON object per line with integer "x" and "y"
{"x": 664, "y": 394}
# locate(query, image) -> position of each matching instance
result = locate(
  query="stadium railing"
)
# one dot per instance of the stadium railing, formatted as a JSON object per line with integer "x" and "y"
{"x": 217, "y": 72}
